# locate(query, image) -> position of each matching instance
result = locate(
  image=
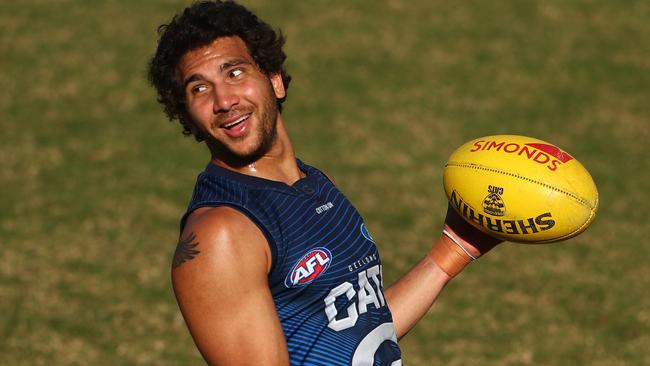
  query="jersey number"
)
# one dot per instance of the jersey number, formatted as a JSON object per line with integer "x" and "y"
{"x": 365, "y": 353}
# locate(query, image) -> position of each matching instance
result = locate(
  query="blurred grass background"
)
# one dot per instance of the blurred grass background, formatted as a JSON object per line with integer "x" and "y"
{"x": 94, "y": 179}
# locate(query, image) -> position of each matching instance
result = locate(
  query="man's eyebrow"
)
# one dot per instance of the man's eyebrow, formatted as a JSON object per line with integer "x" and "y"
{"x": 194, "y": 77}
{"x": 234, "y": 62}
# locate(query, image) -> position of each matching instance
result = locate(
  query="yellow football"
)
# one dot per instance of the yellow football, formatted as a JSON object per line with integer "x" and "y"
{"x": 520, "y": 189}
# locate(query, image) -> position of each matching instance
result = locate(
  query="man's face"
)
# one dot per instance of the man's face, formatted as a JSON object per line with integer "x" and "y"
{"x": 231, "y": 102}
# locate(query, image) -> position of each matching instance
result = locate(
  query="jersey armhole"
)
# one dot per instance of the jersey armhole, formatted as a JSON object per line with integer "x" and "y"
{"x": 269, "y": 238}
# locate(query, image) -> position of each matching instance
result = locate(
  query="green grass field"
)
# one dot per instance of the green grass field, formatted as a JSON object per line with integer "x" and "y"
{"x": 94, "y": 179}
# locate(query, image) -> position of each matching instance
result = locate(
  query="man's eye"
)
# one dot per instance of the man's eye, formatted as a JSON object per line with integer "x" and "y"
{"x": 198, "y": 89}
{"x": 235, "y": 73}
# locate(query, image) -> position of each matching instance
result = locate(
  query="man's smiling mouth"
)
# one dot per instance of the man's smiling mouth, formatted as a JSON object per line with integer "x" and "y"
{"x": 236, "y": 122}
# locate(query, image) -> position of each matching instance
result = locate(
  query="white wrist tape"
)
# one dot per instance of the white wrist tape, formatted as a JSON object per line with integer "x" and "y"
{"x": 447, "y": 234}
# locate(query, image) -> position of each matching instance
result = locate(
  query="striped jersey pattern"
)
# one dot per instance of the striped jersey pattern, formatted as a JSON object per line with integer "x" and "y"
{"x": 325, "y": 278}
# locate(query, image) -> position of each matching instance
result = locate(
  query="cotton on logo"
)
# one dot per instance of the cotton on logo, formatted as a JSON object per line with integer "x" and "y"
{"x": 310, "y": 266}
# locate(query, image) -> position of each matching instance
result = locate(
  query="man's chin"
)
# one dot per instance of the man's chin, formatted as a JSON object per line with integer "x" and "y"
{"x": 238, "y": 159}
{"x": 246, "y": 154}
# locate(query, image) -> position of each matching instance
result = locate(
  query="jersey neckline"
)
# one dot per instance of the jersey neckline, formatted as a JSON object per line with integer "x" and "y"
{"x": 307, "y": 185}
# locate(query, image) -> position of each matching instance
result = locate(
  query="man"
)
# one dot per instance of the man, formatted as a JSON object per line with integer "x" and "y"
{"x": 274, "y": 265}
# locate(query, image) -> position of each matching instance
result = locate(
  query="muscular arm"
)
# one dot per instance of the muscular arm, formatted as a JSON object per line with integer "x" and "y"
{"x": 219, "y": 276}
{"x": 412, "y": 295}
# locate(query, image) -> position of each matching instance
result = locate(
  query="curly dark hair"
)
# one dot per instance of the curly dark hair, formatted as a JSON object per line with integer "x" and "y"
{"x": 199, "y": 25}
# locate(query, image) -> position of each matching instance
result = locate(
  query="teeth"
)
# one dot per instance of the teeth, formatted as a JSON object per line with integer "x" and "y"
{"x": 240, "y": 119}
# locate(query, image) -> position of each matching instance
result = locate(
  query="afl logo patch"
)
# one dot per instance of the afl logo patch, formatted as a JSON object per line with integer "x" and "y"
{"x": 309, "y": 267}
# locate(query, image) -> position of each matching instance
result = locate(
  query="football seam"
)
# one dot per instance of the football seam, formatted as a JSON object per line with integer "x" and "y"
{"x": 580, "y": 200}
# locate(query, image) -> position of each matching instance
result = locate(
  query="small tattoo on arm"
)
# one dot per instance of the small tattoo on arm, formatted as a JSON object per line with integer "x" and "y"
{"x": 185, "y": 250}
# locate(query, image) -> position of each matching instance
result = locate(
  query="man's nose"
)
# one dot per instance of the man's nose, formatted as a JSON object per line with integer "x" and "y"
{"x": 224, "y": 99}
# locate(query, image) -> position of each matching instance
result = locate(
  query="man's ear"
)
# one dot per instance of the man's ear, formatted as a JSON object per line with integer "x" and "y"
{"x": 278, "y": 85}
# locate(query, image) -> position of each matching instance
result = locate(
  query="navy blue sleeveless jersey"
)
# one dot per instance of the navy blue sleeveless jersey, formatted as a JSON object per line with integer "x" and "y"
{"x": 326, "y": 277}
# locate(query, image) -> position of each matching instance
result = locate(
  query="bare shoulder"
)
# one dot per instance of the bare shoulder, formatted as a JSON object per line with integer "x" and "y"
{"x": 216, "y": 234}
{"x": 220, "y": 279}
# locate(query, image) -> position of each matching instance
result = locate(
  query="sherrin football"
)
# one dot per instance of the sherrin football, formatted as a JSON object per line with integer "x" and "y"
{"x": 520, "y": 189}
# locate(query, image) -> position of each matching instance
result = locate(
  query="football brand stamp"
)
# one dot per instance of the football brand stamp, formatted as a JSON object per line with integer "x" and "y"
{"x": 493, "y": 204}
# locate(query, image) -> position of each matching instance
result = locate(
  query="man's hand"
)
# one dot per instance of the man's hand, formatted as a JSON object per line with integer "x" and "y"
{"x": 460, "y": 244}
{"x": 474, "y": 241}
